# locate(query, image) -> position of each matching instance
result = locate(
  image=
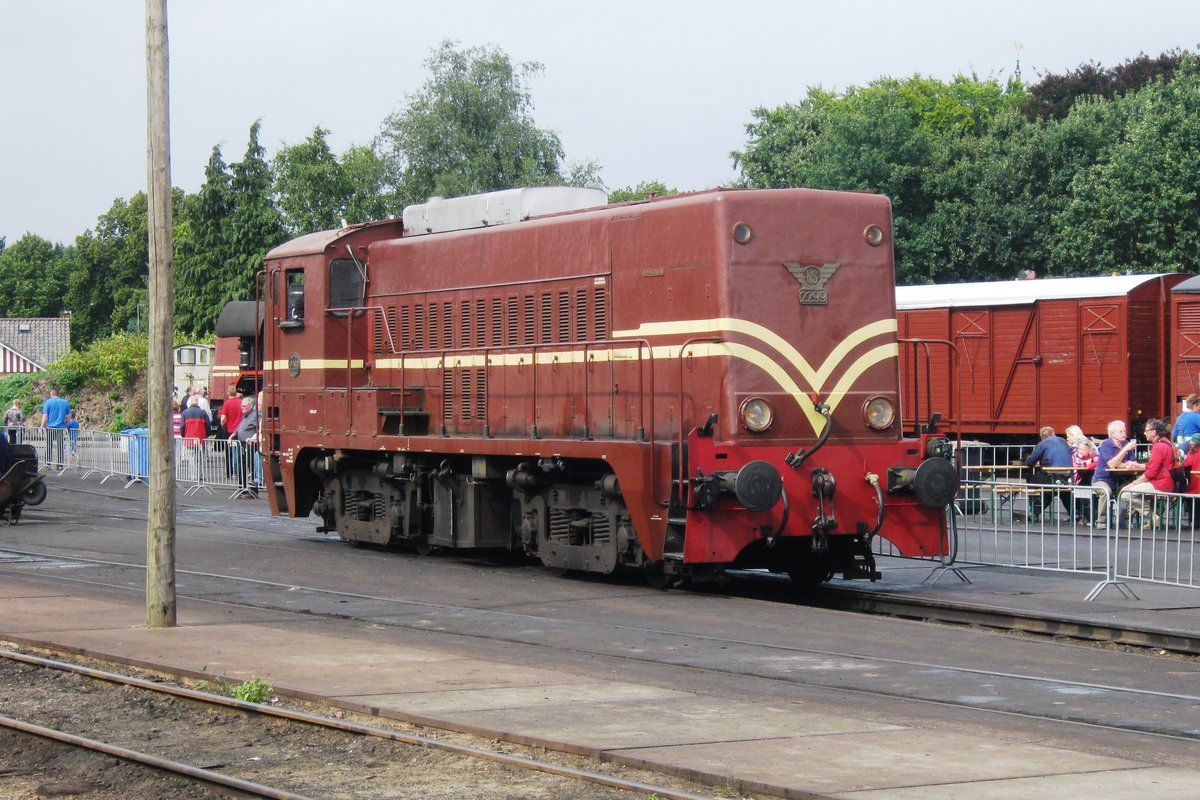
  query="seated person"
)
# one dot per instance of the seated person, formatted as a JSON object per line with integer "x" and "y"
{"x": 1052, "y": 451}
{"x": 1156, "y": 479}
{"x": 1084, "y": 461}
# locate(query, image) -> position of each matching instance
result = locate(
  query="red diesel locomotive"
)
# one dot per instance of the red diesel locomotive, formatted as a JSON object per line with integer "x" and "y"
{"x": 680, "y": 385}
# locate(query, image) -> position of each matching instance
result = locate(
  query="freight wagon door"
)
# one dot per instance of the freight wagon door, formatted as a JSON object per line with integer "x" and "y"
{"x": 1104, "y": 365}
{"x": 998, "y": 357}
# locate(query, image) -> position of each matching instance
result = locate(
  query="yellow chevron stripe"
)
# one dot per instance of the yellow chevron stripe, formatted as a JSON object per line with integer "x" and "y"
{"x": 815, "y": 378}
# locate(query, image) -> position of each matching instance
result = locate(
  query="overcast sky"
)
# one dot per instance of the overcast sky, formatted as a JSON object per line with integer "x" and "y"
{"x": 650, "y": 89}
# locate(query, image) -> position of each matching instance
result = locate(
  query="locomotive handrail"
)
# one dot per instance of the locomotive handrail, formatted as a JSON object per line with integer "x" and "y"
{"x": 681, "y": 478}
{"x": 954, "y": 419}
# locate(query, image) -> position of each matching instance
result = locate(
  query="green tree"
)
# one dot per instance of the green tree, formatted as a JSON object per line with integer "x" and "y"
{"x": 204, "y": 252}
{"x": 891, "y": 136}
{"x": 469, "y": 129}
{"x": 311, "y": 186}
{"x": 366, "y": 172}
{"x": 254, "y": 226}
{"x": 1137, "y": 207}
{"x": 109, "y": 268}
{"x": 32, "y": 274}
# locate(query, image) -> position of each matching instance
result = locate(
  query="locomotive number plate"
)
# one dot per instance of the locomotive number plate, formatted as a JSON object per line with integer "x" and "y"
{"x": 814, "y": 297}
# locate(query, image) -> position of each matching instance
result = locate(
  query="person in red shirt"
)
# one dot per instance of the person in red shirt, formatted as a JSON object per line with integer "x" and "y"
{"x": 1157, "y": 477}
{"x": 231, "y": 417}
{"x": 1191, "y": 463}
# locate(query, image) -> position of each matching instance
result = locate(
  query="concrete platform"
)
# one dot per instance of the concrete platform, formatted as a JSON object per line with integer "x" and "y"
{"x": 788, "y": 750}
{"x": 782, "y": 750}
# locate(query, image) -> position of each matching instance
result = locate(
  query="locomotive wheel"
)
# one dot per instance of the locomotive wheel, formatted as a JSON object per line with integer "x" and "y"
{"x": 658, "y": 578}
{"x": 811, "y": 573}
{"x": 427, "y": 549}
{"x": 35, "y": 494}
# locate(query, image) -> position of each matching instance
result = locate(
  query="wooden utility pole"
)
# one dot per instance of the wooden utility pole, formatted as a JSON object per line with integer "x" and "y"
{"x": 160, "y": 519}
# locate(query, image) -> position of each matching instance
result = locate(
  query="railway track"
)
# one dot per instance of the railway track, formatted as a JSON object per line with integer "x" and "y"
{"x": 266, "y": 751}
{"x": 1031, "y": 694}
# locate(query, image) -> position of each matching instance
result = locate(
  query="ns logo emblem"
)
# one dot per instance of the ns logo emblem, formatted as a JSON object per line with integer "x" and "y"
{"x": 812, "y": 279}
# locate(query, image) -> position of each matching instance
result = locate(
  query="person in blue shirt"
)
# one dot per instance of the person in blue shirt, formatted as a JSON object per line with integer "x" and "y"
{"x": 1052, "y": 451}
{"x": 54, "y": 420}
{"x": 1187, "y": 424}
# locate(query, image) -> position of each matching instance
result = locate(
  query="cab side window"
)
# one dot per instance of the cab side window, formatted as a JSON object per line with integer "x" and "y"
{"x": 345, "y": 284}
{"x": 295, "y": 297}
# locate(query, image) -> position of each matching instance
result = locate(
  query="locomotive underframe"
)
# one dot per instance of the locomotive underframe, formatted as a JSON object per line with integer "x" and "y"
{"x": 567, "y": 514}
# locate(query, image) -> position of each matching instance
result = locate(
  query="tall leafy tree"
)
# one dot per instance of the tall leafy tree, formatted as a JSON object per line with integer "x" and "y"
{"x": 1138, "y": 206}
{"x": 204, "y": 250}
{"x": 311, "y": 186}
{"x": 254, "y": 226}
{"x": 890, "y": 136}
{"x": 32, "y": 276}
{"x": 367, "y": 174}
{"x": 109, "y": 272}
{"x": 469, "y": 129}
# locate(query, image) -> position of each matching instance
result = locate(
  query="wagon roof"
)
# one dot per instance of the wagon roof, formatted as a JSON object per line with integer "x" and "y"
{"x": 1010, "y": 293}
{"x": 1190, "y": 286}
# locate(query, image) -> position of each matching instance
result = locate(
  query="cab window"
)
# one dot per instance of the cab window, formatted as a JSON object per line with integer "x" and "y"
{"x": 295, "y": 297}
{"x": 345, "y": 283}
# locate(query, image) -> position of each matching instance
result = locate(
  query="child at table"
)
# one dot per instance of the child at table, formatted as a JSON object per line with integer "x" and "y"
{"x": 1083, "y": 459}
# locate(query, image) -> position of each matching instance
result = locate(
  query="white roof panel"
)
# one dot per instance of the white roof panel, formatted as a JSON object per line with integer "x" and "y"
{"x": 1011, "y": 293}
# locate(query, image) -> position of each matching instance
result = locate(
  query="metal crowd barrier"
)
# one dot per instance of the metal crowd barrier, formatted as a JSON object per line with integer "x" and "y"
{"x": 1000, "y": 519}
{"x": 211, "y": 465}
{"x": 996, "y": 521}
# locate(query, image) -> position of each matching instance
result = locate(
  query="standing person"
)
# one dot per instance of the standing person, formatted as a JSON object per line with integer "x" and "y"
{"x": 14, "y": 418}
{"x": 72, "y": 436}
{"x": 245, "y": 438}
{"x": 231, "y": 417}
{"x": 54, "y": 421}
{"x": 195, "y": 431}
{"x": 1187, "y": 424}
{"x": 1052, "y": 451}
{"x": 176, "y": 419}
{"x": 1157, "y": 476}
{"x": 198, "y": 393}
{"x": 1115, "y": 451}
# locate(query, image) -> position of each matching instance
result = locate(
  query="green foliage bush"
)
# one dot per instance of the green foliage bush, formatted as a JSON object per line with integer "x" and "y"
{"x": 115, "y": 362}
{"x": 15, "y": 387}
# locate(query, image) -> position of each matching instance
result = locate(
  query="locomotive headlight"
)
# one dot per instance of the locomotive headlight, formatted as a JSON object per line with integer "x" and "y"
{"x": 879, "y": 413}
{"x": 757, "y": 415}
{"x": 742, "y": 233}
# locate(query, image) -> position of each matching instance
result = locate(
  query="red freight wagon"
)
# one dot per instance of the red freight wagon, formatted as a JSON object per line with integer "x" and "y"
{"x": 1185, "y": 341}
{"x": 1057, "y": 352}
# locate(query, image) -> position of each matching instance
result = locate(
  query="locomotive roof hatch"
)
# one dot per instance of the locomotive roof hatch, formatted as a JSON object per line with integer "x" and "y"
{"x": 1012, "y": 293}
{"x": 497, "y": 208}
